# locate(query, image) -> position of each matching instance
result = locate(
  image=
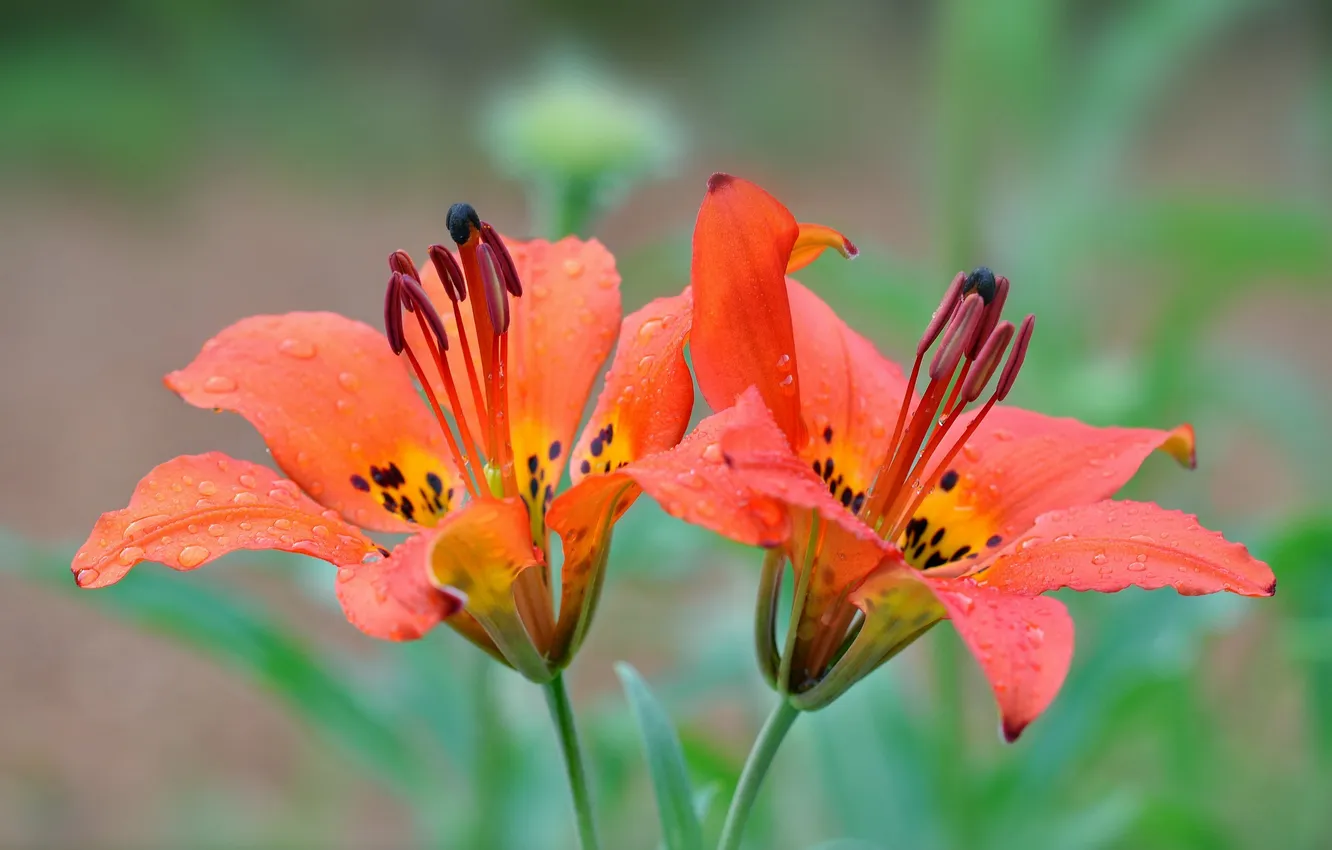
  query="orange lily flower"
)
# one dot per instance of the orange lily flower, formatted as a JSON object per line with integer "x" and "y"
{"x": 343, "y": 419}
{"x": 898, "y": 510}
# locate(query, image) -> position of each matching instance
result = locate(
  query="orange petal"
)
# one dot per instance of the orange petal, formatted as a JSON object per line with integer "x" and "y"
{"x": 813, "y": 240}
{"x": 1108, "y": 546}
{"x": 1023, "y": 644}
{"x": 1019, "y": 465}
{"x": 563, "y": 328}
{"x": 649, "y": 393}
{"x": 583, "y": 516}
{"x": 392, "y": 599}
{"x": 337, "y": 410}
{"x": 479, "y": 551}
{"x": 742, "y": 334}
{"x": 849, "y": 396}
{"x": 196, "y": 508}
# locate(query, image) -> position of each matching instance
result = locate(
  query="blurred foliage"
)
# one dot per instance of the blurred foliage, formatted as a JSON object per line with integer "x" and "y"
{"x": 1147, "y": 746}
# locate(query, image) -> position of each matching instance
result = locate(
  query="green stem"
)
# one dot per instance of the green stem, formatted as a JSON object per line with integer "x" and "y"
{"x": 557, "y": 698}
{"x": 756, "y": 768}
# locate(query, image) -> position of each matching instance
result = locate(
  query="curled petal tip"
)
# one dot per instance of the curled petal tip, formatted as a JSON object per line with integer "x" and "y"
{"x": 718, "y": 181}
{"x": 1013, "y": 729}
{"x": 1182, "y": 446}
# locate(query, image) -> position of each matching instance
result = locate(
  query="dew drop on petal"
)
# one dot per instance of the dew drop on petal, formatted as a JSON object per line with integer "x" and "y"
{"x": 712, "y": 453}
{"x": 372, "y": 558}
{"x": 131, "y": 555}
{"x": 217, "y": 530}
{"x": 1099, "y": 558}
{"x": 1137, "y": 567}
{"x": 573, "y": 268}
{"x": 219, "y": 384}
{"x": 192, "y": 556}
{"x": 348, "y": 381}
{"x": 247, "y": 480}
{"x": 966, "y": 603}
{"x": 85, "y": 577}
{"x": 282, "y": 523}
{"x": 648, "y": 329}
{"x": 207, "y": 487}
{"x": 346, "y": 574}
{"x": 245, "y": 498}
{"x": 301, "y": 349}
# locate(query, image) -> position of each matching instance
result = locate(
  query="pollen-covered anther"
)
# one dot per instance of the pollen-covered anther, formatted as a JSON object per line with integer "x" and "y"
{"x": 1015, "y": 359}
{"x": 508, "y": 272}
{"x": 497, "y": 295}
{"x": 957, "y": 338}
{"x": 987, "y": 361}
{"x": 450, "y": 273}
{"x": 462, "y": 222}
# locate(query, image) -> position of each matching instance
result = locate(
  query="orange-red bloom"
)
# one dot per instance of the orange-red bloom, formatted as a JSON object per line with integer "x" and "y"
{"x": 343, "y": 419}
{"x": 898, "y": 510}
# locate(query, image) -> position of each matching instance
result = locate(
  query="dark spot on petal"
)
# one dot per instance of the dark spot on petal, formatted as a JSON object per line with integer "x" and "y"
{"x": 435, "y": 483}
{"x": 595, "y": 447}
{"x": 360, "y": 483}
{"x": 828, "y": 468}
{"x": 915, "y": 529}
{"x": 938, "y": 535}
{"x": 533, "y": 487}
{"x": 390, "y": 503}
{"x": 994, "y": 541}
{"x": 960, "y": 553}
{"x": 846, "y": 497}
{"x": 818, "y": 468}
{"x": 585, "y": 467}
{"x": 827, "y": 434}
{"x": 949, "y": 480}
{"x": 408, "y": 509}
{"x": 610, "y": 433}
{"x": 920, "y": 550}
{"x": 532, "y": 461}
{"x": 554, "y": 452}
{"x": 858, "y": 502}
{"x": 396, "y": 478}
{"x": 379, "y": 476}
{"x": 935, "y": 560}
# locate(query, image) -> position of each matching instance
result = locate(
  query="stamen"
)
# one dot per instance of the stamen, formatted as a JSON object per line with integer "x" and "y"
{"x": 994, "y": 309}
{"x": 418, "y": 302}
{"x": 1014, "y": 363}
{"x": 503, "y": 260}
{"x": 497, "y": 295}
{"x": 957, "y": 338}
{"x": 393, "y": 306}
{"x": 947, "y": 307}
{"x": 450, "y": 273}
{"x": 987, "y": 361}
{"x": 400, "y": 261}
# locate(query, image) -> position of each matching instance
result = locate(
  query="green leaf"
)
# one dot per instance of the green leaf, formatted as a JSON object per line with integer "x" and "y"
{"x": 846, "y": 844}
{"x": 665, "y": 757}
{"x": 198, "y": 612}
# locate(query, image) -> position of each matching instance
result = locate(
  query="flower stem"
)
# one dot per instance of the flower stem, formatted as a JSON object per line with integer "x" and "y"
{"x": 756, "y": 768}
{"x": 557, "y": 698}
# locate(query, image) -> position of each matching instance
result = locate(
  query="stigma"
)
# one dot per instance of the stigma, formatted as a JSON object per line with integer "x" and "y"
{"x": 479, "y": 279}
{"x": 965, "y": 345}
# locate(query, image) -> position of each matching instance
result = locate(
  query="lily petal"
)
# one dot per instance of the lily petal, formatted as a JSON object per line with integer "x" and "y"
{"x": 742, "y": 244}
{"x": 563, "y": 330}
{"x": 479, "y": 552}
{"x": 1019, "y": 465}
{"x": 1108, "y": 546}
{"x": 338, "y": 411}
{"x": 813, "y": 240}
{"x": 644, "y": 408}
{"x": 194, "y": 509}
{"x": 849, "y": 396}
{"x": 392, "y": 599}
{"x": 1023, "y": 644}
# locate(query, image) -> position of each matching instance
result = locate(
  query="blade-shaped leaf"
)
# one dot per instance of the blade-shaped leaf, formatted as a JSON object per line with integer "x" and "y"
{"x": 665, "y": 758}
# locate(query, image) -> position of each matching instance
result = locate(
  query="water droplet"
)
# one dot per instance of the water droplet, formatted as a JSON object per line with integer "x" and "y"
{"x": 645, "y": 362}
{"x": 787, "y": 384}
{"x": 342, "y": 405}
{"x": 1064, "y": 538}
{"x": 246, "y": 526}
{"x": 1142, "y": 538}
{"x": 301, "y": 349}
{"x": 320, "y": 531}
{"x": 372, "y": 558}
{"x": 648, "y": 329}
{"x": 705, "y": 508}
{"x": 142, "y": 523}
{"x": 217, "y": 530}
{"x": 712, "y": 453}
{"x": 1099, "y": 558}
{"x": 192, "y": 556}
{"x": 282, "y": 523}
{"x": 349, "y": 381}
{"x": 219, "y": 384}
{"x": 784, "y": 363}
{"x": 1137, "y": 567}
{"x": 692, "y": 480}
{"x": 346, "y": 573}
{"x": 247, "y": 480}
{"x": 131, "y": 555}
{"x": 573, "y": 268}
{"x": 207, "y": 488}
{"x": 966, "y": 603}
{"x": 245, "y": 498}
{"x": 971, "y": 452}
{"x": 85, "y": 577}
{"x": 1003, "y": 435}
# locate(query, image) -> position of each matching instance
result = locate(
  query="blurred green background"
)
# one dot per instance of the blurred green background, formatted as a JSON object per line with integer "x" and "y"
{"x": 1155, "y": 177}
